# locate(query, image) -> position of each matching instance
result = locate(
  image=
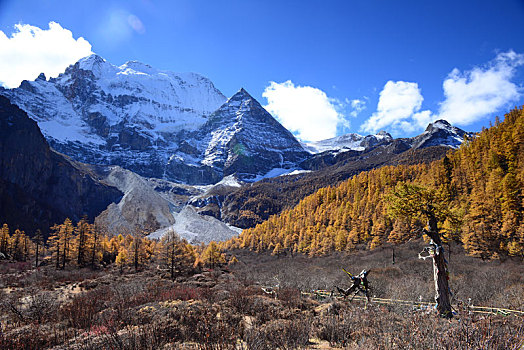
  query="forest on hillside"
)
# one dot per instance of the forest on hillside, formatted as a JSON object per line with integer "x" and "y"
{"x": 84, "y": 245}
{"x": 477, "y": 188}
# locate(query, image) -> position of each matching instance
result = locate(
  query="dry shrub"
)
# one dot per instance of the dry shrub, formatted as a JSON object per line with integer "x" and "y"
{"x": 290, "y": 297}
{"x": 240, "y": 299}
{"x": 26, "y": 338}
{"x": 34, "y": 308}
{"x": 336, "y": 330}
{"x": 83, "y": 309}
{"x": 264, "y": 309}
{"x": 180, "y": 293}
{"x": 212, "y": 328}
{"x": 379, "y": 328}
{"x": 149, "y": 337}
{"x": 279, "y": 334}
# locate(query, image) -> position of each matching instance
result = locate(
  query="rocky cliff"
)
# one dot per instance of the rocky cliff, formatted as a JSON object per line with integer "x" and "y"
{"x": 39, "y": 187}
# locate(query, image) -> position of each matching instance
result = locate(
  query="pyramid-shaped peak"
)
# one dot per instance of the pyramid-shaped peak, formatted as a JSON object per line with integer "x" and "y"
{"x": 242, "y": 99}
{"x": 241, "y": 94}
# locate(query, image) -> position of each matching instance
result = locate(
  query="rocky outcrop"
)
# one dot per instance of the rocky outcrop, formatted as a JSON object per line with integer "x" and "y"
{"x": 39, "y": 187}
{"x": 141, "y": 207}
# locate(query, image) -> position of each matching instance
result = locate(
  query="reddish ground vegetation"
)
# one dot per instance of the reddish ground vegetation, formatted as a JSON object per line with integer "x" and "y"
{"x": 227, "y": 308}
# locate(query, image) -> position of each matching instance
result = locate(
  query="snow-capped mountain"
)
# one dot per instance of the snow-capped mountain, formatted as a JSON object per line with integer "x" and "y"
{"x": 440, "y": 133}
{"x": 347, "y": 142}
{"x": 156, "y": 123}
{"x": 130, "y": 115}
{"x": 240, "y": 138}
{"x": 177, "y": 126}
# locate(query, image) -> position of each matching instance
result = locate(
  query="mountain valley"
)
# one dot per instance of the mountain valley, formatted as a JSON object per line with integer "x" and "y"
{"x": 167, "y": 140}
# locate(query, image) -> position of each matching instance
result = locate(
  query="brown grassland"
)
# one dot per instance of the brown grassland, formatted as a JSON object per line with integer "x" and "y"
{"x": 226, "y": 308}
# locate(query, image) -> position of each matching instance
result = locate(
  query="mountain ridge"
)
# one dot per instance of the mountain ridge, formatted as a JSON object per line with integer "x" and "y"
{"x": 238, "y": 140}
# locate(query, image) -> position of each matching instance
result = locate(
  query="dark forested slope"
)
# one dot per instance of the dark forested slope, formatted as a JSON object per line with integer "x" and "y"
{"x": 251, "y": 205}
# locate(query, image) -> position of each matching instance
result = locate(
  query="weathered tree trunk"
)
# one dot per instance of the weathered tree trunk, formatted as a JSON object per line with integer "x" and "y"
{"x": 440, "y": 273}
{"x": 393, "y": 255}
{"x": 36, "y": 254}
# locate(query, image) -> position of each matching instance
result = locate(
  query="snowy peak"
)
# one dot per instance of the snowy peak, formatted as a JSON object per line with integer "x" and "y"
{"x": 240, "y": 102}
{"x": 88, "y": 62}
{"x": 129, "y": 115}
{"x": 241, "y": 137}
{"x": 442, "y": 124}
{"x": 241, "y": 94}
{"x": 243, "y": 111}
{"x": 138, "y": 67}
{"x": 384, "y": 134}
{"x": 440, "y": 133}
{"x": 92, "y": 63}
{"x": 348, "y": 142}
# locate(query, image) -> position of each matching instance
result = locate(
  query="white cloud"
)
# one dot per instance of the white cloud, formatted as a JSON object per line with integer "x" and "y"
{"x": 304, "y": 110}
{"x": 469, "y": 97}
{"x": 480, "y": 92}
{"x": 31, "y": 50}
{"x": 398, "y": 102}
{"x": 357, "y": 106}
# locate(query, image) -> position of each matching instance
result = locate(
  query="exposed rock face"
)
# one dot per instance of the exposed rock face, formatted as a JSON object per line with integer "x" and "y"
{"x": 39, "y": 187}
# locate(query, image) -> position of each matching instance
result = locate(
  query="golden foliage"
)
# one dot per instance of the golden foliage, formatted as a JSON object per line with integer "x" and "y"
{"x": 479, "y": 188}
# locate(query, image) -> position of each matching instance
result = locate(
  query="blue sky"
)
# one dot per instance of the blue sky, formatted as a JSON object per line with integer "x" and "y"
{"x": 321, "y": 67}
